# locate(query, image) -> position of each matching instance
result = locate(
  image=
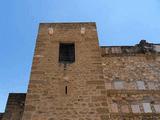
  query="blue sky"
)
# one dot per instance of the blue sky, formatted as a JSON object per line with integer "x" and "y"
{"x": 119, "y": 22}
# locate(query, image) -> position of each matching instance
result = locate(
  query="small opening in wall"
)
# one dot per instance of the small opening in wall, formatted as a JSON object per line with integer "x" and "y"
{"x": 66, "y": 90}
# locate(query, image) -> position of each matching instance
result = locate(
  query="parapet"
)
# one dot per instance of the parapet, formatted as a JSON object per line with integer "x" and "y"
{"x": 142, "y": 48}
{"x": 53, "y": 29}
{"x": 72, "y": 25}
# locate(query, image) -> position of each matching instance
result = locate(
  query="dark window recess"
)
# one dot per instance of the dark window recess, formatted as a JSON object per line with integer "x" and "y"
{"x": 66, "y": 53}
{"x": 66, "y": 90}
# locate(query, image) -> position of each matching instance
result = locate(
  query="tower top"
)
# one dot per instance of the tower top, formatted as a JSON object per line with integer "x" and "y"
{"x": 70, "y": 25}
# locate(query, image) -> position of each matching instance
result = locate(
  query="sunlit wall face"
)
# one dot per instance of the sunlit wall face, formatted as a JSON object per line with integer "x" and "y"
{"x": 119, "y": 22}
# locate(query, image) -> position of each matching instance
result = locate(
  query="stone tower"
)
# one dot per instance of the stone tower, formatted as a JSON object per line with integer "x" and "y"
{"x": 66, "y": 74}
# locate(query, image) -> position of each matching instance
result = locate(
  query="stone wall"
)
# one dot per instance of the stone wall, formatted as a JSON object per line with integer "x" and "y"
{"x": 15, "y": 106}
{"x": 132, "y": 83}
{"x": 46, "y": 97}
{"x": 1, "y": 115}
{"x": 142, "y": 48}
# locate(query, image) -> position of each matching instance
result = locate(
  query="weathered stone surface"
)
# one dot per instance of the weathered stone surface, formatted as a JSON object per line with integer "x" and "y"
{"x": 142, "y": 48}
{"x": 47, "y": 98}
{"x": 1, "y": 115}
{"x": 102, "y": 110}
{"x": 15, "y": 106}
{"x": 30, "y": 108}
{"x": 129, "y": 69}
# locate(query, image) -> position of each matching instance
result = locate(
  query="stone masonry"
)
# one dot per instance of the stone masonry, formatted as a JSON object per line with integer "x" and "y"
{"x": 15, "y": 106}
{"x": 1, "y": 115}
{"x": 95, "y": 83}
{"x": 132, "y": 83}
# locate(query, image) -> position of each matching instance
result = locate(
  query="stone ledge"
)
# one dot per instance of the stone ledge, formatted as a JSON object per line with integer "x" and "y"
{"x": 132, "y": 92}
{"x": 135, "y": 114}
{"x": 142, "y": 48}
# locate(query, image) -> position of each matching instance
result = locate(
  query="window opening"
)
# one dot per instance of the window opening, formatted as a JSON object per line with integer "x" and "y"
{"x": 67, "y": 53}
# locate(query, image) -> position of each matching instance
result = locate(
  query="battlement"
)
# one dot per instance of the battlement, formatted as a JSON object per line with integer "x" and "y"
{"x": 142, "y": 48}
